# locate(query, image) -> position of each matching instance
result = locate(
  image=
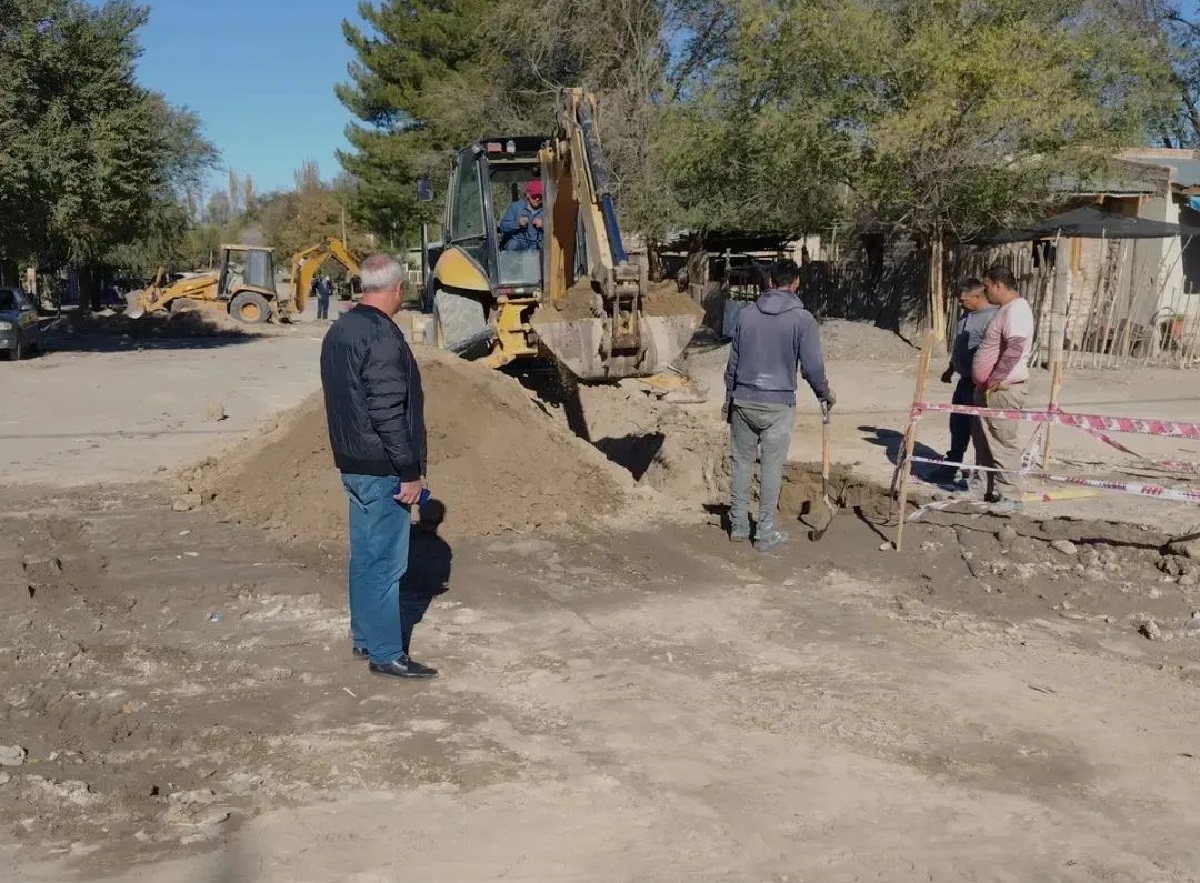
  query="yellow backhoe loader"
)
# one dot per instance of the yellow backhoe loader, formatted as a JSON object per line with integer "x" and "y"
{"x": 580, "y": 299}
{"x": 306, "y": 263}
{"x": 243, "y": 287}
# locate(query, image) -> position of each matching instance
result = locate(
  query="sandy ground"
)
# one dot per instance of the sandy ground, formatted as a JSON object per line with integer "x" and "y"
{"x": 616, "y": 704}
{"x": 101, "y": 408}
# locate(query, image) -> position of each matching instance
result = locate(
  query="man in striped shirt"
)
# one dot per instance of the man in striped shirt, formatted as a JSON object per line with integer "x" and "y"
{"x": 1001, "y": 374}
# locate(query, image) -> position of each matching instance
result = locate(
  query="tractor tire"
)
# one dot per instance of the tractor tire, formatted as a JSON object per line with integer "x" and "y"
{"x": 459, "y": 323}
{"x": 250, "y": 307}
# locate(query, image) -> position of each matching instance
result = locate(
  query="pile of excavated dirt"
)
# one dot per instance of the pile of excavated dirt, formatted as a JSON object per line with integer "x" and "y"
{"x": 845, "y": 340}
{"x": 663, "y": 446}
{"x": 496, "y": 462}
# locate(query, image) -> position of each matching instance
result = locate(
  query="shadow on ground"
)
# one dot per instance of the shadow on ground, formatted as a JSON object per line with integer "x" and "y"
{"x": 115, "y": 332}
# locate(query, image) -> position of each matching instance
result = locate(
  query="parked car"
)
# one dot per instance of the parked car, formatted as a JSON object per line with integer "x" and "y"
{"x": 20, "y": 331}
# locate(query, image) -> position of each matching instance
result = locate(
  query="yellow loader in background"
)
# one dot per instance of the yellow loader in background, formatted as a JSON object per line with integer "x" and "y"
{"x": 243, "y": 287}
{"x": 582, "y": 299}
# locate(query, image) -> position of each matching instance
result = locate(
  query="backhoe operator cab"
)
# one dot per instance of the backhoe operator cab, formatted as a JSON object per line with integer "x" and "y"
{"x": 486, "y": 178}
{"x": 582, "y": 299}
{"x": 247, "y": 282}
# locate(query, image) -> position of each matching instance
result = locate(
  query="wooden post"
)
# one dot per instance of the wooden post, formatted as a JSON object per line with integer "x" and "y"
{"x": 937, "y": 302}
{"x": 1059, "y": 302}
{"x": 904, "y": 467}
{"x": 1055, "y": 390}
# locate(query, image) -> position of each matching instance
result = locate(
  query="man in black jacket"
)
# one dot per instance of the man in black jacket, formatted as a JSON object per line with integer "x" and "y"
{"x": 375, "y": 410}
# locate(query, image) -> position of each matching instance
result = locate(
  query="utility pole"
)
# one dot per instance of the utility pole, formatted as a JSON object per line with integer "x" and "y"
{"x": 343, "y": 223}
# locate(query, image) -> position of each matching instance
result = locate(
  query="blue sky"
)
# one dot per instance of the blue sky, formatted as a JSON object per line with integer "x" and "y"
{"x": 260, "y": 73}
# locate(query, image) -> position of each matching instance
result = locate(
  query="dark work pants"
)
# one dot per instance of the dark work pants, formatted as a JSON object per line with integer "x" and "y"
{"x": 960, "y": 424}
{"x": 322, "y": 307}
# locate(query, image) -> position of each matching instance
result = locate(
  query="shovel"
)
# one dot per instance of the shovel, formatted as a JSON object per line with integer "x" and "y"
{"x": 818, "y": 532}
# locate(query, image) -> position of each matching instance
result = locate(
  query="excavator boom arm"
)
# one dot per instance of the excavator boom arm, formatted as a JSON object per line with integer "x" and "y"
{"x": 618, "y": 339}
{"x": 306, "y": 262}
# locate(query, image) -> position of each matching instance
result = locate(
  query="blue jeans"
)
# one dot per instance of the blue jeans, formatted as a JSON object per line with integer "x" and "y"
{"x": 379, "y": 534}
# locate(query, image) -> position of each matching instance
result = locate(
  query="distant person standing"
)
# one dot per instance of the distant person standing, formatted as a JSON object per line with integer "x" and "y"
{"x": 324, "y": 289}
{"x": 374, "y": 406}
{"x": 1001, "y": 373}
{"x": 773, "y": 337}
{"x": 977, "y": 314}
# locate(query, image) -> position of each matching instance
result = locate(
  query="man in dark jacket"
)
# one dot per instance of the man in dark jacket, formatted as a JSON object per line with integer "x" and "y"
{"x": 324, "y": 290}
{"x": 771, "y": 339}
{"x": 375, "y": 410}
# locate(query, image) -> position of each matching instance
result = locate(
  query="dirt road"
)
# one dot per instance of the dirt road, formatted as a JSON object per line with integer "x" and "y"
{"x": 616, "y": 704}
{"x": 103, "y": 408}
{"x": 633, "y": 707}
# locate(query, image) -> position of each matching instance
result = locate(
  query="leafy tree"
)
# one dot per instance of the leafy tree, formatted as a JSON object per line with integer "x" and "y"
{"x": 314, "y": 211}
{"x": 93, "y": 164}
{"x": 1172, "y": 29}
{"x": 921, "y": 114}
{"x": 779, "y": 115}
{"x": 419, "y": 87}
{"x": 165, "y": 229}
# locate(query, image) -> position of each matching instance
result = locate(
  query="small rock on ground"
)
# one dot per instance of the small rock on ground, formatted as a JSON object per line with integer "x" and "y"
{"x": 214, "y": 412}
{"x": 12, "y": 755}
{"x": 1149, "y": 629}
{"x": 1066, "y": 547}
{"x": 1186, "y": 548}
{"x": 187, "y": 503}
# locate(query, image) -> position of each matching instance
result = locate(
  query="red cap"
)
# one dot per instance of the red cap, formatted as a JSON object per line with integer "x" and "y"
{"x": 534, "y": 188}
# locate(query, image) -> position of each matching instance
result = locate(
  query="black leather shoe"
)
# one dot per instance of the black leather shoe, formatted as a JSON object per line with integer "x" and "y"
{"x": 360, "y": 654}
{"x": 404, "y": 667}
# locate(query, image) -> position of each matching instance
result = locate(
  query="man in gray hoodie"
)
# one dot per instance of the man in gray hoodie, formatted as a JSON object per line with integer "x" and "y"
{"x": 772, "y": 338}
{"x": 977, "y": 315}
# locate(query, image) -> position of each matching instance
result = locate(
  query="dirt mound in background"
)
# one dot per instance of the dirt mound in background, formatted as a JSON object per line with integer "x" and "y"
{"x": 198, "y": 323}
{"x": 496, "y": 462}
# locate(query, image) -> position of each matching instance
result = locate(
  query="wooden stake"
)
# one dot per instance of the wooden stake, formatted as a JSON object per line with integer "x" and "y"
{"x": 937, "y": 300}
{"x": 904, "y": 467}
{"x": 1055, "y": 390}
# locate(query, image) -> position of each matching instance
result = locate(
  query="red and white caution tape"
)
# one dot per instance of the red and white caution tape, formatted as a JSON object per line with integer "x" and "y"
{"x": 1096, "y": 425}
{"x": 1089, "y": 422}
{"x": 1179, "y": 495}
{"x": 1173, "y": 465}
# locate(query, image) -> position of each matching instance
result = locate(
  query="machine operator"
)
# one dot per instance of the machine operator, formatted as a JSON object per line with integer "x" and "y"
{"x": 521, "y": 226}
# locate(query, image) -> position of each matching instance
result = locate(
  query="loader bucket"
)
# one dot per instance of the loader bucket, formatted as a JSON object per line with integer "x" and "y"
{"x": 135, "y": 307}
{"x": 576, "y": 344}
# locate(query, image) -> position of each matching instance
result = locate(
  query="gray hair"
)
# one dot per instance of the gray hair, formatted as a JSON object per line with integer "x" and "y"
{"x": 381, "y": 272}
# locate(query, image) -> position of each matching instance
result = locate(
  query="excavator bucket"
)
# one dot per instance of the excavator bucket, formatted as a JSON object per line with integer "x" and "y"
{"x": 584, "y": 333}
{"x": 583, "y": 345}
